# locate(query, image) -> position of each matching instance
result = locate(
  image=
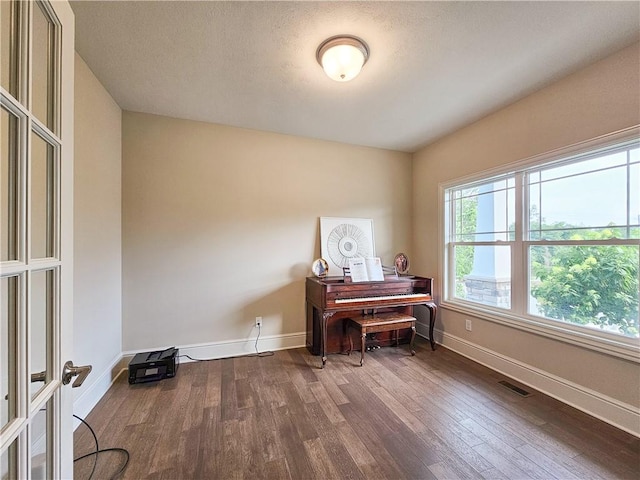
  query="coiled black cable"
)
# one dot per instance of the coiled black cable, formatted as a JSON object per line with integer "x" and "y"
{"x": 98, "y": 450}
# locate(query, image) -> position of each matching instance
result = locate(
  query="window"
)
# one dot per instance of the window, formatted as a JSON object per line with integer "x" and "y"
{"x": 553, "y": 244}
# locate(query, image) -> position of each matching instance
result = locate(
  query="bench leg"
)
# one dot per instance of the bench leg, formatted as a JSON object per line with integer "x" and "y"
{"x": 362, "y": 340}
{"x": 413, "y": 336}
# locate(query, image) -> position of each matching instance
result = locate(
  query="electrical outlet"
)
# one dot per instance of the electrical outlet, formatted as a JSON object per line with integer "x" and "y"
{"x": 258, "y": 321}
{"x": 468, "y": 325}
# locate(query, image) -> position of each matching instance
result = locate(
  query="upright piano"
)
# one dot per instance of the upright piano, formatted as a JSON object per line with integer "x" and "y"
{"x": 330, "y": 300}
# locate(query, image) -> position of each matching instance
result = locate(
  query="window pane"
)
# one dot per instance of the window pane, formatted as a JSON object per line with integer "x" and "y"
{"x": 606, "y": 161}
{"x": 9, "y": 461}
{"x": 43, "y": 66}
{"x": 634, "y": 189}
{"x": 8, "y": 46}
{"x": 8, "y": 326}
{"x": 8, "y": 186}
{"x": 511, "y": 214}
{"x": 485, "y": 212}
{"x": 535, "y": 224}
{"x": 42, "y": 197}
{"x": 595, "y": 199}
{"x": 591, "y": 285}
{"x": 483, "y": 274}
{"x": 41, "y": 442}
{"x": 588, "y": 199}
{"x": 41, "y": 328}
{"x": 463, "y": 257}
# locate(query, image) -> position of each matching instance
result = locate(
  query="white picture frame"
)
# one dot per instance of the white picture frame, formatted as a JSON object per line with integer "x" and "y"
{"x": 345, "y": 238}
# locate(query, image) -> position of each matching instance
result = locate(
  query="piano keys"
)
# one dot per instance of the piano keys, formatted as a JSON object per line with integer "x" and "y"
{"x": 360, "y": 300}
{"x": 330, "y": 300}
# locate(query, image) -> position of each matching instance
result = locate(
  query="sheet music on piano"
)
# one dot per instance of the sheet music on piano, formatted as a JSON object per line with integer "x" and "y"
{"x": 366, "y": 269}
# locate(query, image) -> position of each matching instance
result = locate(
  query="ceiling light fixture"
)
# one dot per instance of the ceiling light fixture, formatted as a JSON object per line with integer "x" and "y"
{"x": 342, "y": 57}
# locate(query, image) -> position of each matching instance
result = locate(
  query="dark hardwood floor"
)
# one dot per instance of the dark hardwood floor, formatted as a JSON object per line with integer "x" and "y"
{"x": 435, "y": 415}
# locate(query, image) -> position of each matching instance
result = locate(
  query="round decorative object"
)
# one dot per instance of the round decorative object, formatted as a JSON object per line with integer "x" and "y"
{"x": 347, "y": 241}
{"x": 320, "y": 268}
{"x": 401, "y": 262}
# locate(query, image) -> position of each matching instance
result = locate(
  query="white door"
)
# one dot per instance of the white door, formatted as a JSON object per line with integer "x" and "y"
{"x": 36, "y": 238}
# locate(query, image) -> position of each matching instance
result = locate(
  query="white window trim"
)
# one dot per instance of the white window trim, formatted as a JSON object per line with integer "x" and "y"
{"x": 603, "y": 342}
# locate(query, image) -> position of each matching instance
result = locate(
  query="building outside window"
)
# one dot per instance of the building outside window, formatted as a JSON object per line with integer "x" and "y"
{"x": 551, "y": 243}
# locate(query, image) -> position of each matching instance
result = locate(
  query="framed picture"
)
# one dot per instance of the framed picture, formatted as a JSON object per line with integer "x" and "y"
{"x": 345, "y": 238}
{"x": 401, "y": 263}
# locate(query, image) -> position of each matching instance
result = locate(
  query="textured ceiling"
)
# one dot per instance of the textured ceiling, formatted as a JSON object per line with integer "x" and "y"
{"x": 434, "y": 66}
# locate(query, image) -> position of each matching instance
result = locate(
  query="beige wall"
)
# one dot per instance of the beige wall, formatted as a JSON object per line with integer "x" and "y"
{"x": 220, "y": 225}
{"x": 97, "y": 229}
{"x": 600, "y": 99}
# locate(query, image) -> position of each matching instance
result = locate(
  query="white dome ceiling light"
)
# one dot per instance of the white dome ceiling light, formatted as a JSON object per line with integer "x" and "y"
{"x": 342, "y": 57}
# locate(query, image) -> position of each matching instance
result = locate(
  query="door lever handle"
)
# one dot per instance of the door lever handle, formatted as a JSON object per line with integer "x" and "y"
{"x": 69, "y": 371}
{"x": 35, "y": 377}
{"x": 39, "y": 377}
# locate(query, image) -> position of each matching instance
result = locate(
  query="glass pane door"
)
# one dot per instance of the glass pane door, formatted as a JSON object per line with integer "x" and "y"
{"x": 9, "y": 46}
{"x": 42, "y": 198}
{"x": 36, "y": 76}
{"x": 8, "y": 185}
{"x": 8, "y": 329}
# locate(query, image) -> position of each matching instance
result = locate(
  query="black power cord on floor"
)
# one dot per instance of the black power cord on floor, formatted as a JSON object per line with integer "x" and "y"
{"x": 98, "y": 451}
{"x": 257, "y": 354}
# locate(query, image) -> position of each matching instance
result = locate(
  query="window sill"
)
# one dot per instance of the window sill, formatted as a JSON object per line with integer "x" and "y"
{"x": 624, "y": 348}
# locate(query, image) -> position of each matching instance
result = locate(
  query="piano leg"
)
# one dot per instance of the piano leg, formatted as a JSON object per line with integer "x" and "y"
{"x": 433, "y": 309}
{"x": 325, "y": 318}
{"x": 324, "y": 340}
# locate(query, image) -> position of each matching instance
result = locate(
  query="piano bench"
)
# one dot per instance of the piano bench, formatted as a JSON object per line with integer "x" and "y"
{"x": 380, "y": 322}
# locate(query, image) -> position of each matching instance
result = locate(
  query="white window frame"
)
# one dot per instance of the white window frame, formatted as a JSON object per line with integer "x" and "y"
{"x": 517, "y": 316}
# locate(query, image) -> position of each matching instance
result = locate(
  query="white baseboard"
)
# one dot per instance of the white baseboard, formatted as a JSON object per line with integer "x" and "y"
{"x": 619, "y": 414}
{"x": 93, "y": 392}
{"x": 230, "y": 348}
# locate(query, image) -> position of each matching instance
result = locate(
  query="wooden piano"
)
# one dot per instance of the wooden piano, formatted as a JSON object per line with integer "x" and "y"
{"x": 332, "y": 299}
